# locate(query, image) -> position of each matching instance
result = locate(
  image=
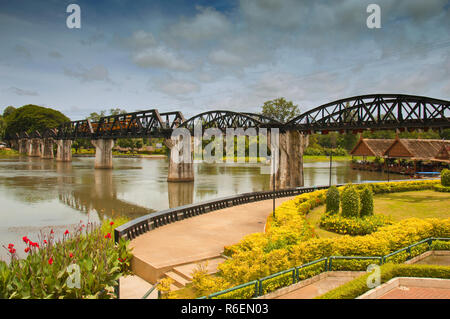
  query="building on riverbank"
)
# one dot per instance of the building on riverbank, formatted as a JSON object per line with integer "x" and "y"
{"x": 403, "y": 156}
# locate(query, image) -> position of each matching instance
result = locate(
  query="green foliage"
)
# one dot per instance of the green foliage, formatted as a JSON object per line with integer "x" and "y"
{"x": 440, "y": 245}
{"x": 442, "y": 189}
{"x": 45, "y": 274}
{"x": 280, "y": 109}
{"x": 332, "y": 201}
{"x": 8, "y": 110}
{"x": 358, "y": 286}
{"x": 350, "y": 202}
{"x": 29, "y": 118}
{"x": 366, "y": 202}
{"x": 317, "y": 150}
{"x": 353, "y": 225}
{"x": 445, "y": 177}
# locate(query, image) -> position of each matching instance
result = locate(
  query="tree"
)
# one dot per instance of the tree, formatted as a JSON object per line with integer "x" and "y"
{"x": 2, "y": 127}
{"x": 366, "y": 202}
{"x": 280, "y": 109}
{"x": 350, "y": 202}
{"x": 29, "y": 118}
{"x": 332, "y": 200}
{"x": 8, "y": 110}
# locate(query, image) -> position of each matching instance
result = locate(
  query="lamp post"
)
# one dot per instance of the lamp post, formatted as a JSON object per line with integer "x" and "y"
{"x": 331, "y": 165}
{"x": 273, "y": 186}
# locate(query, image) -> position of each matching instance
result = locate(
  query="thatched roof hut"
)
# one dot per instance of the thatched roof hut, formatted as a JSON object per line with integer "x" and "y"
{"x": 416, "y": 149}
{"x": 371, "y": 147}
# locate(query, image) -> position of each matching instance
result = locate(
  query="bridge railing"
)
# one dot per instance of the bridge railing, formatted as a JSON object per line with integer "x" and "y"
{"x": 154, "y": 220}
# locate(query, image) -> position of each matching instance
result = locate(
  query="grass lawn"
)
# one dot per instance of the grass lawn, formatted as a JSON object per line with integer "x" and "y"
{"x": 420, "y": 204}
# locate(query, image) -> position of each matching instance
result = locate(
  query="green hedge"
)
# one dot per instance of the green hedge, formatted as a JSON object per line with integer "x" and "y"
{"x": 350, "y": 202}
{"x": 440, "y": 245}
{"x": 332, "y": 200}
{"x": 442, "y": 189}
{"x": 445, "y": 177}
{"x": 358, "y": 286}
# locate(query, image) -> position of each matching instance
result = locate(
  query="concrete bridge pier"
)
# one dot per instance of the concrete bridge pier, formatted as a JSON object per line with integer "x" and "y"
{"x": 47, "y": 148}
{"x": 181, "y": 161}
{"x": 64, "y": 150}
{"x": 290, "y": 161}
{"x": 24, "y": 145}
{"x": 103, "y": 153}
{"x": 34, "y": 149}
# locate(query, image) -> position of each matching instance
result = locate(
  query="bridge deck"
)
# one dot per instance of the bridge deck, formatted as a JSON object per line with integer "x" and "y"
{"x": 195, "y": 239}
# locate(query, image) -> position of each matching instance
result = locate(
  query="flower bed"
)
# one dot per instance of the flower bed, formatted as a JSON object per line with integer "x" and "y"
{"x": 353, "y": 226}
{"x": 85, "y": 263}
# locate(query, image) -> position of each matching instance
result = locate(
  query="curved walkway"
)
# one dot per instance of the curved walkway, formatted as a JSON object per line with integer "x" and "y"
{"x": 197, "y": 239}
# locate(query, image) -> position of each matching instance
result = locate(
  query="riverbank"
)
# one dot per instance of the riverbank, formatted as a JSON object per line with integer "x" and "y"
{"x": 124, "y": 155}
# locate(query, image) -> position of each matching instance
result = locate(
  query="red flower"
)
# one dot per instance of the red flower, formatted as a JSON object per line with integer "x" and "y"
{"x": 66, "y": 232}
{"x": 10, "y": 246}
{"x": 108, "y": 235}
{"x": 111, "y": 223}
{"x": 70, "y": 255}
{"x": 12, "y": 250}
{"x": 45, "y": 242}
{"x": 25, "y": 239}
{"x": 27, "y": 249}
{"x": 50, "y": 261}
{"x": 51, "y": 231}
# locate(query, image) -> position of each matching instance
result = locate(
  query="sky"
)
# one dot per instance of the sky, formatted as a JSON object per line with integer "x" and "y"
{"x": 194, "y": 56}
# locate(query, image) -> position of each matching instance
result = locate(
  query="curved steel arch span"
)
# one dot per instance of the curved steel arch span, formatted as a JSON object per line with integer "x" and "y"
{"x": 223, "y": 119}
{"x": 375, "y": 111}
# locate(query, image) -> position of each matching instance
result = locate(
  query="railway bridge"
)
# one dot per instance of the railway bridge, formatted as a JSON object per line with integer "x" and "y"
{"x": 353, "y": 114}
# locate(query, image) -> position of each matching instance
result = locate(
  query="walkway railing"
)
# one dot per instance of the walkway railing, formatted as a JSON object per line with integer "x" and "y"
{"x": 260, "y": 287}
{"x": 151, "y": 221}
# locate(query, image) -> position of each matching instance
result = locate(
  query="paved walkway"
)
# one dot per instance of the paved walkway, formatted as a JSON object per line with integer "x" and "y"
{"x": 198, "y": 238}
{"x": 417, "y": 293}
{"x": 321, "y": 286}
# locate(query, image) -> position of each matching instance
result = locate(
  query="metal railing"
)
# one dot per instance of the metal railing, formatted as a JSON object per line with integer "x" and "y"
{"x": 151, "y": 221}
{"x": 146, "y": 223}
{"x": 292, "y": 275}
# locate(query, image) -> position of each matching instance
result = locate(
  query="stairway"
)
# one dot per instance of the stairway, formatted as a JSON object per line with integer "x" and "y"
{"x": 182, "y": 274}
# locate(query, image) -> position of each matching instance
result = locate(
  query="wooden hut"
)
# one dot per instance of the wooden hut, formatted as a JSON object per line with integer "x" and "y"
{"x": 370, "y": 147}
{"x": 416, "y": 150}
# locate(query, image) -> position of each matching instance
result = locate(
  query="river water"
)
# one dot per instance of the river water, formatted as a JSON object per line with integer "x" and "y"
{"x": 38, "y": 195}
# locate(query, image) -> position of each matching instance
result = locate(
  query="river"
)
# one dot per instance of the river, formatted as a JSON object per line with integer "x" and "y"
{"x": 39, "y": 195}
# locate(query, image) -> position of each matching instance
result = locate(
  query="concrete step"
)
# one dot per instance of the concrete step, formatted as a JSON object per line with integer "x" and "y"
{"x": 179, "y": 281}
{"x": 134, "y": 287}
{"x": 187, "y": 270}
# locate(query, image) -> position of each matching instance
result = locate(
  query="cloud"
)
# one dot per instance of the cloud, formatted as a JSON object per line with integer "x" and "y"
{"x": 96, "y": 73}
{"x": 176, "y": 87}
{"x": 208, "y": 24}
{"x": 55, "y": 54}
{"x": 95, "y": 38}
{"x": 22, "y": 51}
{"x": 138, "y": 40}
{"x": 21, "y": 92}
{"x": 162, "y": 58}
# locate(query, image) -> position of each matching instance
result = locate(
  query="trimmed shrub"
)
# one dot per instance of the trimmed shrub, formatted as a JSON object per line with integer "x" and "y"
{"x": 445, "y": 177}
{"x": 366, "y": 202}
{"x": 332, "y": 201}
{"x": 350, "y": 202}
{"x": 442, "y": 189}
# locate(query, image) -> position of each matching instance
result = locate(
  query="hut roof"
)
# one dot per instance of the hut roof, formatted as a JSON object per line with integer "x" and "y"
{"x": 371, "y": 147}
{"x": 419, "y": 149}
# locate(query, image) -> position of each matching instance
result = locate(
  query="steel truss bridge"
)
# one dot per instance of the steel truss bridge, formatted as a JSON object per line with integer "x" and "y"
{"x": 353, "y": 114}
